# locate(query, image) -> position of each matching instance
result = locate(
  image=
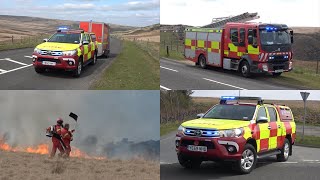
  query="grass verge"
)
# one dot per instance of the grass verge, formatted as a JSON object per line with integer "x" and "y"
{"x": 30, "y": 42}
{"x": 133, "y": 68}
{"x": 308, "y": 140}
{"x": 169, "y": 127}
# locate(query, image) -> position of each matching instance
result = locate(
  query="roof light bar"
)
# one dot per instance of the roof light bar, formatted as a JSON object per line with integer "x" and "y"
{"x": 224, "y": 99}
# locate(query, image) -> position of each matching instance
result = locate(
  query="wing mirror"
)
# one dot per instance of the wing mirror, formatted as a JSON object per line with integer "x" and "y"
{"x": 85, "y": 42}
{"x": 45, "y": 40}
{"x": 250, "y": 40}
{"x": 200, "y": 115}
{"x": 291, "y": 36}
{"x": 262, "y": 119}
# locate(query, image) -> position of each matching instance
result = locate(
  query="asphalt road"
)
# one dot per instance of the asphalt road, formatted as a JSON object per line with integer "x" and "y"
{"x": 180, "y": 76}
{"x": 17, "y": 72}
{"x": 304, "y": 164}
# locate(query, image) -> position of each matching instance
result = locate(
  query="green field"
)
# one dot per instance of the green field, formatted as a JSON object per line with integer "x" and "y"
{"x": 133, "y": 68}
{"x": 30, "y": 42}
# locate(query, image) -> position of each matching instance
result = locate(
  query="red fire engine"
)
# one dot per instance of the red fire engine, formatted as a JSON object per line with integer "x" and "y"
{"x": 245, "y": 47}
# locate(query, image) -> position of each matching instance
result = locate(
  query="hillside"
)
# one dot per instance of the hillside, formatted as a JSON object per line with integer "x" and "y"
{"x": 15, "y": 165}
{"x": 23, "y": 26}
{"x": 148, "y": 33}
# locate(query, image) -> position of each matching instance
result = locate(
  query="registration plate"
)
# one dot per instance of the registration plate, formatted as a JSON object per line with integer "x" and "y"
{"x": 49, "y": 63}
{"x": 278, "y": 70}
{"x": 197, "y": 148}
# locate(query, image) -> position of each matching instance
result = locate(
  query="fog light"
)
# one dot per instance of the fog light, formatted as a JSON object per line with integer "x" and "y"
{"x": 70, "y": 63}
{"x": 265, "y": 67}
{"x": 231, "y": 148}
{"x": 33, "y": 59}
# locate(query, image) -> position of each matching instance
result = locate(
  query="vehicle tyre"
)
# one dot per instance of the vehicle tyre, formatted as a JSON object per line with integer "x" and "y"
{"x": 248, "y": 160}
{"x": 106, "y": 54}
{"x": 94, "y": 60}
{"x": 78, "y": 71}
{"x": 245, "y": 69}
{"x": 284, "y": 156}
{"x": 202, "y": 62}
{"x": 40, "y": 70}
{"x": 189, "y": 163}
{"x": 276, "y": 74}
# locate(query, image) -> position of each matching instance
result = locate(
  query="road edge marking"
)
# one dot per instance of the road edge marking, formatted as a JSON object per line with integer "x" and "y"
{"x": 224, "y": 83}
{"x": 8, "y": 59}
{"x": 168, "y": 69}
{"x": 28, "y": 57}
{"x": 16, "y": 69}
{"x": 165, "y": 88}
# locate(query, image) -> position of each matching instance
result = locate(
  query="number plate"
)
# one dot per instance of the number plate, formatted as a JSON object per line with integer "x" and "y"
{"x": 49, "y": 63}
{"x": 278, "y": 70}
{"x": 197, "y": 148}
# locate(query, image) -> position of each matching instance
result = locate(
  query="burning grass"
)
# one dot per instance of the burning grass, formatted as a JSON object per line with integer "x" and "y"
{"x": 21, "y": 165}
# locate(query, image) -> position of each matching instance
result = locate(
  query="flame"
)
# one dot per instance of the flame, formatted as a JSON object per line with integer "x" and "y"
{"x": 44, "y": 149}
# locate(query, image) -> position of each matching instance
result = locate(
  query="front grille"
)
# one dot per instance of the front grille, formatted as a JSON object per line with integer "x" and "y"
{"x": 51, "y": 53}
{"x": 202, "y": 132}
{"x": 49, "y": 59}
{"x": 208, "y": 144}
{"x": 275, "y": 65}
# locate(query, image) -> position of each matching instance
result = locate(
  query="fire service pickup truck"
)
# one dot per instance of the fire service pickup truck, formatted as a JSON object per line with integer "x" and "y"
{"x": 238, "y": 132}
{"x": 246, "y": 47}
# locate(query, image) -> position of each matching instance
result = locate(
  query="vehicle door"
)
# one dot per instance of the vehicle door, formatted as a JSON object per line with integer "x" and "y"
{"x": 85, "y": 44}
{"x": 275, "y": 128}
{"x": 263, "y": 130}
{"x": 252, "y": 43}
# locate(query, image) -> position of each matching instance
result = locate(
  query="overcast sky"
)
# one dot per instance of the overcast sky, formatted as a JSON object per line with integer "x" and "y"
{"x": 107, "y": 115}
{"x": 125, "y": 12}
{"x": 304, "y": 13}
{"x": 270, "y": 94}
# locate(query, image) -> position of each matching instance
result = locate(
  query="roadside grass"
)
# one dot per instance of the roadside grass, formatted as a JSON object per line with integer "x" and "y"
{"x": 169, "y": 127}
{"x": 133, "y": 68}
{"x": 175, "y": 46}
{"x": 30, "y": 42}
{"x": 308, "y": 140}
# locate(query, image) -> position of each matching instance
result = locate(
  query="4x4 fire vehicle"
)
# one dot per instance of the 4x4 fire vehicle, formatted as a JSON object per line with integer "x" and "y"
{"x": 240, "y": 132}
{"x": 69, "y": 50}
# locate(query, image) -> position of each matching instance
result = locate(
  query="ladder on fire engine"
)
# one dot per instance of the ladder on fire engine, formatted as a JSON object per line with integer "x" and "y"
{"x": 219, "y": 22}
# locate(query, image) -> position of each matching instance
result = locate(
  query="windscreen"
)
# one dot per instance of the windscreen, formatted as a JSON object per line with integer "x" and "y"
{"x": 274, "y": 37}
{"x": 231, "y": 112}
{"x": 65, "y": 38}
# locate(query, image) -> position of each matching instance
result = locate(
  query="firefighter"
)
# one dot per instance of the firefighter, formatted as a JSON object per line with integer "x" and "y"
{"x": 56, "y": 138}
{"x": 67, "y": 137}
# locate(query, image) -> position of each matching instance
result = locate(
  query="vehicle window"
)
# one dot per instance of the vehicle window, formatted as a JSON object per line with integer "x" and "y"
{"x": 274, "y": 37}
{"x": 261, "y": 112}
{"x": 234, "y": 36}
{"x": 242, "y": 36}
{"x": 253, "y": 33}
{"x": 273, "y": 114}
{"x": 231, "y": 112}
{"x": 285, "y": 114}
{"x": 65, "y": 38}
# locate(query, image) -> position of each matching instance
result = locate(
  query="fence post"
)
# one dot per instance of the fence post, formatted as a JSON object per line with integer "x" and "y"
{"x": 317, "y": 67}
{"x": 167, "y": 50}
{"x": 171, "y": 45}
{"x": 12, "y": 39}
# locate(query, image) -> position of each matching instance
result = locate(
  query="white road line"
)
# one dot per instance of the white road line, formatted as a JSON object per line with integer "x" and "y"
{"x": 8, "y": 59}
{"x": 224, "y": 84}
{"x": 165, "y": 88}
{"x": 311, "y": 160}
{"x": 28, "y": 57}
{"x": 288, "y": 162}
{"x": 168, "y": 69}
{"x": 27, "y": 65}
{"x": 165, "y": 162}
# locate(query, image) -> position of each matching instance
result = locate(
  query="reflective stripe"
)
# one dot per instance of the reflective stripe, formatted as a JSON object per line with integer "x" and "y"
{"x": 232, "y": 47}
{"x": 188, "y": 42}
{"x": 264, "y": 134}
{"x": 253, "y": 50}
{"x": 247, "y": 133}
{"x": 215, "y": 45}
{"x": 273, "y": 142}
{"x": 201, "y": 43}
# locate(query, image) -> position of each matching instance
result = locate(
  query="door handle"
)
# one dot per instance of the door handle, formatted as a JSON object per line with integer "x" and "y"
{"x": 279, "y": 126}
{"x": 269, "y": 127}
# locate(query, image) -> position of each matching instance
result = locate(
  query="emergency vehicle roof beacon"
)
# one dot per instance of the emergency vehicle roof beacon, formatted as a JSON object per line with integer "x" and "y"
{"x": 237, "y": 131}
{"x": 245, "y": 47}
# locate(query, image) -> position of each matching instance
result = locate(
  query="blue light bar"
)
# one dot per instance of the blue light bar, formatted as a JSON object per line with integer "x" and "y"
{"x": 63, "y": 28}
{"x": 227, "y": 98}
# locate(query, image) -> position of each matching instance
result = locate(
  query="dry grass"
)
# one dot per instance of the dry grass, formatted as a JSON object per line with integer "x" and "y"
{"x": 34, "y": 166}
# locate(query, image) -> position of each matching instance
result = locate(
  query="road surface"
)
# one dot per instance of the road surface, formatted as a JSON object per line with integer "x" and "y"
{"x": 17, "y": 72}
{"x": 304, "y": 164}
{"x": 181, "y": 76}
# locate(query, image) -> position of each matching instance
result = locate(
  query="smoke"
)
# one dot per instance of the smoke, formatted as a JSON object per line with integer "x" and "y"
{"x": 105, "y": 117}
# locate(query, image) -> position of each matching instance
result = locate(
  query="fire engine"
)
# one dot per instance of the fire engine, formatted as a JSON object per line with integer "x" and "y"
{"x": 245, "y": 47}
{"x": 237, "y": 131}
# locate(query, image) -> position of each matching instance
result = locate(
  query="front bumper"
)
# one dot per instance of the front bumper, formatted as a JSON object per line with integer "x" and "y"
{"x": 271, "y": 67}
{"x": 217, "y": 148}
{"x": 67, "y": 63}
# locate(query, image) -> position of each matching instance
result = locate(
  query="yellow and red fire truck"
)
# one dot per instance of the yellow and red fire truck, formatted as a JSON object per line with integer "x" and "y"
{"x": 245, "y": 47}
{"x": 237, "y": 131}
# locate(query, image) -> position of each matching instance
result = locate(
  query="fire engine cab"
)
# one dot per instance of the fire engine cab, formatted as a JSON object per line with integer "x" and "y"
{"x": 237, "y": 131}
{"x": 246, "y": 47}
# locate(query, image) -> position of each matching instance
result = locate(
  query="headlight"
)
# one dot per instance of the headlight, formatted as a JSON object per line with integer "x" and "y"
{"x": 36, "y": 50}
{"x": 69, "y": 53}
{"x": 231, "y": 132}
{"x": 181, "y": 130}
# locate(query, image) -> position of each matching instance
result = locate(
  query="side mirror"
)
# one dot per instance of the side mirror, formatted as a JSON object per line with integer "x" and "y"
{"x": 250, "y": 40}
{"x": 262, "y": 120}
{"x": 291, "y": 35}
{"x": 200, "y": 115}
{"x": 45, "y": 40}
{"x": 85, "y": 42}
